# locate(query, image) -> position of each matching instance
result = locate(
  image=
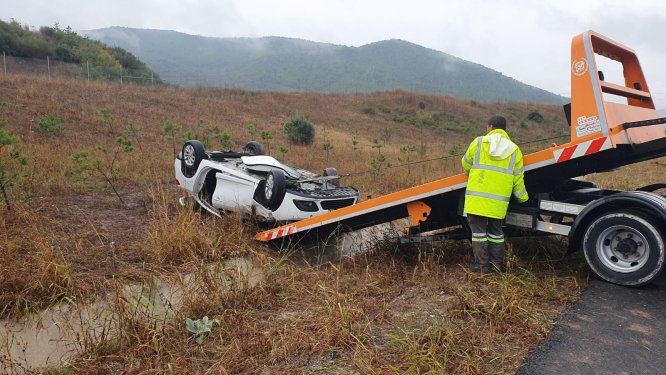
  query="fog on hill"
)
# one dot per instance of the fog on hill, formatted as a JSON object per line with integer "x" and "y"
{"x": 285, "y": 64}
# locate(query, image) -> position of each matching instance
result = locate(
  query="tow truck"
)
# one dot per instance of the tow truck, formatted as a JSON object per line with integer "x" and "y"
{"x": 622, "y": 233}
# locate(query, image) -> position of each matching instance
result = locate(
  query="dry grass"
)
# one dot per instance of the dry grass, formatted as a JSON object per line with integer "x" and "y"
{"x": 391, "y": 311}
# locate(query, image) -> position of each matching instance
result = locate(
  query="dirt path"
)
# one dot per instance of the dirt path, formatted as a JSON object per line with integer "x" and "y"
{"x": 610, "y": 330}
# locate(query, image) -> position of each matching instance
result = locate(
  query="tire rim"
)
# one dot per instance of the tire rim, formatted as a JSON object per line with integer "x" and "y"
{"x": 622, "y": 249}
{"x": 188, "y": 155}
{"x": 268, "y": 189}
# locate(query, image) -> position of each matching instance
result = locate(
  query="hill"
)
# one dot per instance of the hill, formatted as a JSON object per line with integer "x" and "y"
{"x": 284, "y": 64}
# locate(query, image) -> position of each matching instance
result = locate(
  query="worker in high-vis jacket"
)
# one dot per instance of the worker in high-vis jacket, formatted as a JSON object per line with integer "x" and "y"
{"x": 494, "y": 166}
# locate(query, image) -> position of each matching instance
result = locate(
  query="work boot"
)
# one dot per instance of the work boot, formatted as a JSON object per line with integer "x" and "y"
{"x": 496, "y": 255}
{"x": 481, "y": 258}
{"x": 497, "y": 267}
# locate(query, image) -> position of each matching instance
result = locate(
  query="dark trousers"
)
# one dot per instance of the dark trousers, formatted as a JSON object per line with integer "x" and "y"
{"x": 487, "y": 241}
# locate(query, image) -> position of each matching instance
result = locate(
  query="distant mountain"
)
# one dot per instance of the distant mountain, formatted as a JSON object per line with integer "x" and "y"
{"x": 285, "y": 64}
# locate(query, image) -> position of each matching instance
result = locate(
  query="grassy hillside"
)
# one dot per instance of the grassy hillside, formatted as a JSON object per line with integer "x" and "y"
{"x": 94, "y": 209}
{"x": 284, "y": 64}
{"x": 64, "y": 45}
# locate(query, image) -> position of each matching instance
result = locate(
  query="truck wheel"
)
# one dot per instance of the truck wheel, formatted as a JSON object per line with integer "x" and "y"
{"x": 624, "y": 248}
{"x": 193, "y": 153}
{"x": 274, "y": 189}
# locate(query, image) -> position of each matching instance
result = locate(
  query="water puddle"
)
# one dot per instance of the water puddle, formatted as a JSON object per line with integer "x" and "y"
{"x": 52, "y": 337}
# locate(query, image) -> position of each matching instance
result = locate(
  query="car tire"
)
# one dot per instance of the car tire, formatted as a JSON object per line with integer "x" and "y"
{"x": 274, "y": 189}
{"x": 332, "y": 172}
{"x": 624, "y": 248}
{"x": 254, "y": 148}
{"x": 192, "y": 155}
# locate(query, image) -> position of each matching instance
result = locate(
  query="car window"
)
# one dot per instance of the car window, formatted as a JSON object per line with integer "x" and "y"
{"x": 291, "y": 172}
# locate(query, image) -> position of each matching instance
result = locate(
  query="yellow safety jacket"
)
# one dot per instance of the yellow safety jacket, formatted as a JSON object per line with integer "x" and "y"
{"x": 494, "y": 166}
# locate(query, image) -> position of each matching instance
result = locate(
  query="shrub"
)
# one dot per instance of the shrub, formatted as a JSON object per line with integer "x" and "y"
{"x": 10, "y": 163}
{"x": 50, "y": 125}
{"x": 369, "y": 111}
{"x": 535, "y": 116}
{"x": 105, "y": 119}
{"x": 299, "y": 130}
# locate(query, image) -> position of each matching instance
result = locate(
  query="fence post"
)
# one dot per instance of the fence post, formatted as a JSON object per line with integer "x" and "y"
{"x": 121, "y": 75}
{"x": 4, "y": 63}
{"x": 152, "y": 83}
{"x": 88, "y": 69}
{"x": 48, "y": 65}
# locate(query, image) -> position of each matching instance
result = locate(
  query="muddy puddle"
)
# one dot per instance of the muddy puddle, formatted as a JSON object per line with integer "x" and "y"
{"x": 52, "y": 337}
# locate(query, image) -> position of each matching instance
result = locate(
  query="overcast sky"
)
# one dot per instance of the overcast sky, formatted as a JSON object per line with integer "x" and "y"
{"x": 528, "y": 40}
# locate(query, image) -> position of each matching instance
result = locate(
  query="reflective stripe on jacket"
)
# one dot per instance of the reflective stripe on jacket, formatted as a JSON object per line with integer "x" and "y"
{"x": 494, "y": 166}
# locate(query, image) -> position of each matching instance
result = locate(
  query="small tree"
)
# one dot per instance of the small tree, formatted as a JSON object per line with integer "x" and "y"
{"x": 224, "y": 139}
{"x": 226, "y": 143}
{"x": 283, "y": 150}
{"x": 376, "y": 164}
{"x": 407, "y": 150}
{"x": 133, "y": 132}
{"x": 252, "y": 128}
{"x": 105, "y": 119}
{"x": 266, "y": 137}
{"x": 376, "y": 144}
{"x": 387, "y": 135}
{"x": 327, "y": 147}
{"x": 86, "y": 164}
{"x": 50, "y": 125}
{"x": 299, "y": 130}
{"x": 170, "y": 129}
{"x": 9, "y": 164}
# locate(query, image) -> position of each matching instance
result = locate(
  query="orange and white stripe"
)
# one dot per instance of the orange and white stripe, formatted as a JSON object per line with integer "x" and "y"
{"x": 279, "y": 232}
{"x": 582, "y": 149}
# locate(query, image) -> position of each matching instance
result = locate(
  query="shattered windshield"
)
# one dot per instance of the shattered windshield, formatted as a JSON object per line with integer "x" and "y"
{"x": 291, "y": 172}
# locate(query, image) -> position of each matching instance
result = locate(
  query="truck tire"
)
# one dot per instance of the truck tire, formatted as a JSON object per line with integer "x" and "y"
{"x": 624, "y": 248}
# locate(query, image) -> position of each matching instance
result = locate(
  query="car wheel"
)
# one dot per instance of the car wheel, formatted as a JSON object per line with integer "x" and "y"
{"x": 274, "y": 189}
{"x": 332, "y": 172}
{"x": 624, "y": 248}
{"x": 193, "y": 153}
{"x": 254, "y": 148}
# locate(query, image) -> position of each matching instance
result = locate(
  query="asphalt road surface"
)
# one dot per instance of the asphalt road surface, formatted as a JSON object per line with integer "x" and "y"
{"x": 610, "y": 330}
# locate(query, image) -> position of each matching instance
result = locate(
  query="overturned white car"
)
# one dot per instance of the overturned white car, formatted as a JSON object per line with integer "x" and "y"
{"x": 256, "y": 185}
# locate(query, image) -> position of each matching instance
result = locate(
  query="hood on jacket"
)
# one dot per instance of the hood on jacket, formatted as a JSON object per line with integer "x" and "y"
{"x": 500, "y": 146}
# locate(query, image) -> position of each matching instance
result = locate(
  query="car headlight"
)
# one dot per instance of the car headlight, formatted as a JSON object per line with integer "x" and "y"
{"x": 307, "y": 206}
